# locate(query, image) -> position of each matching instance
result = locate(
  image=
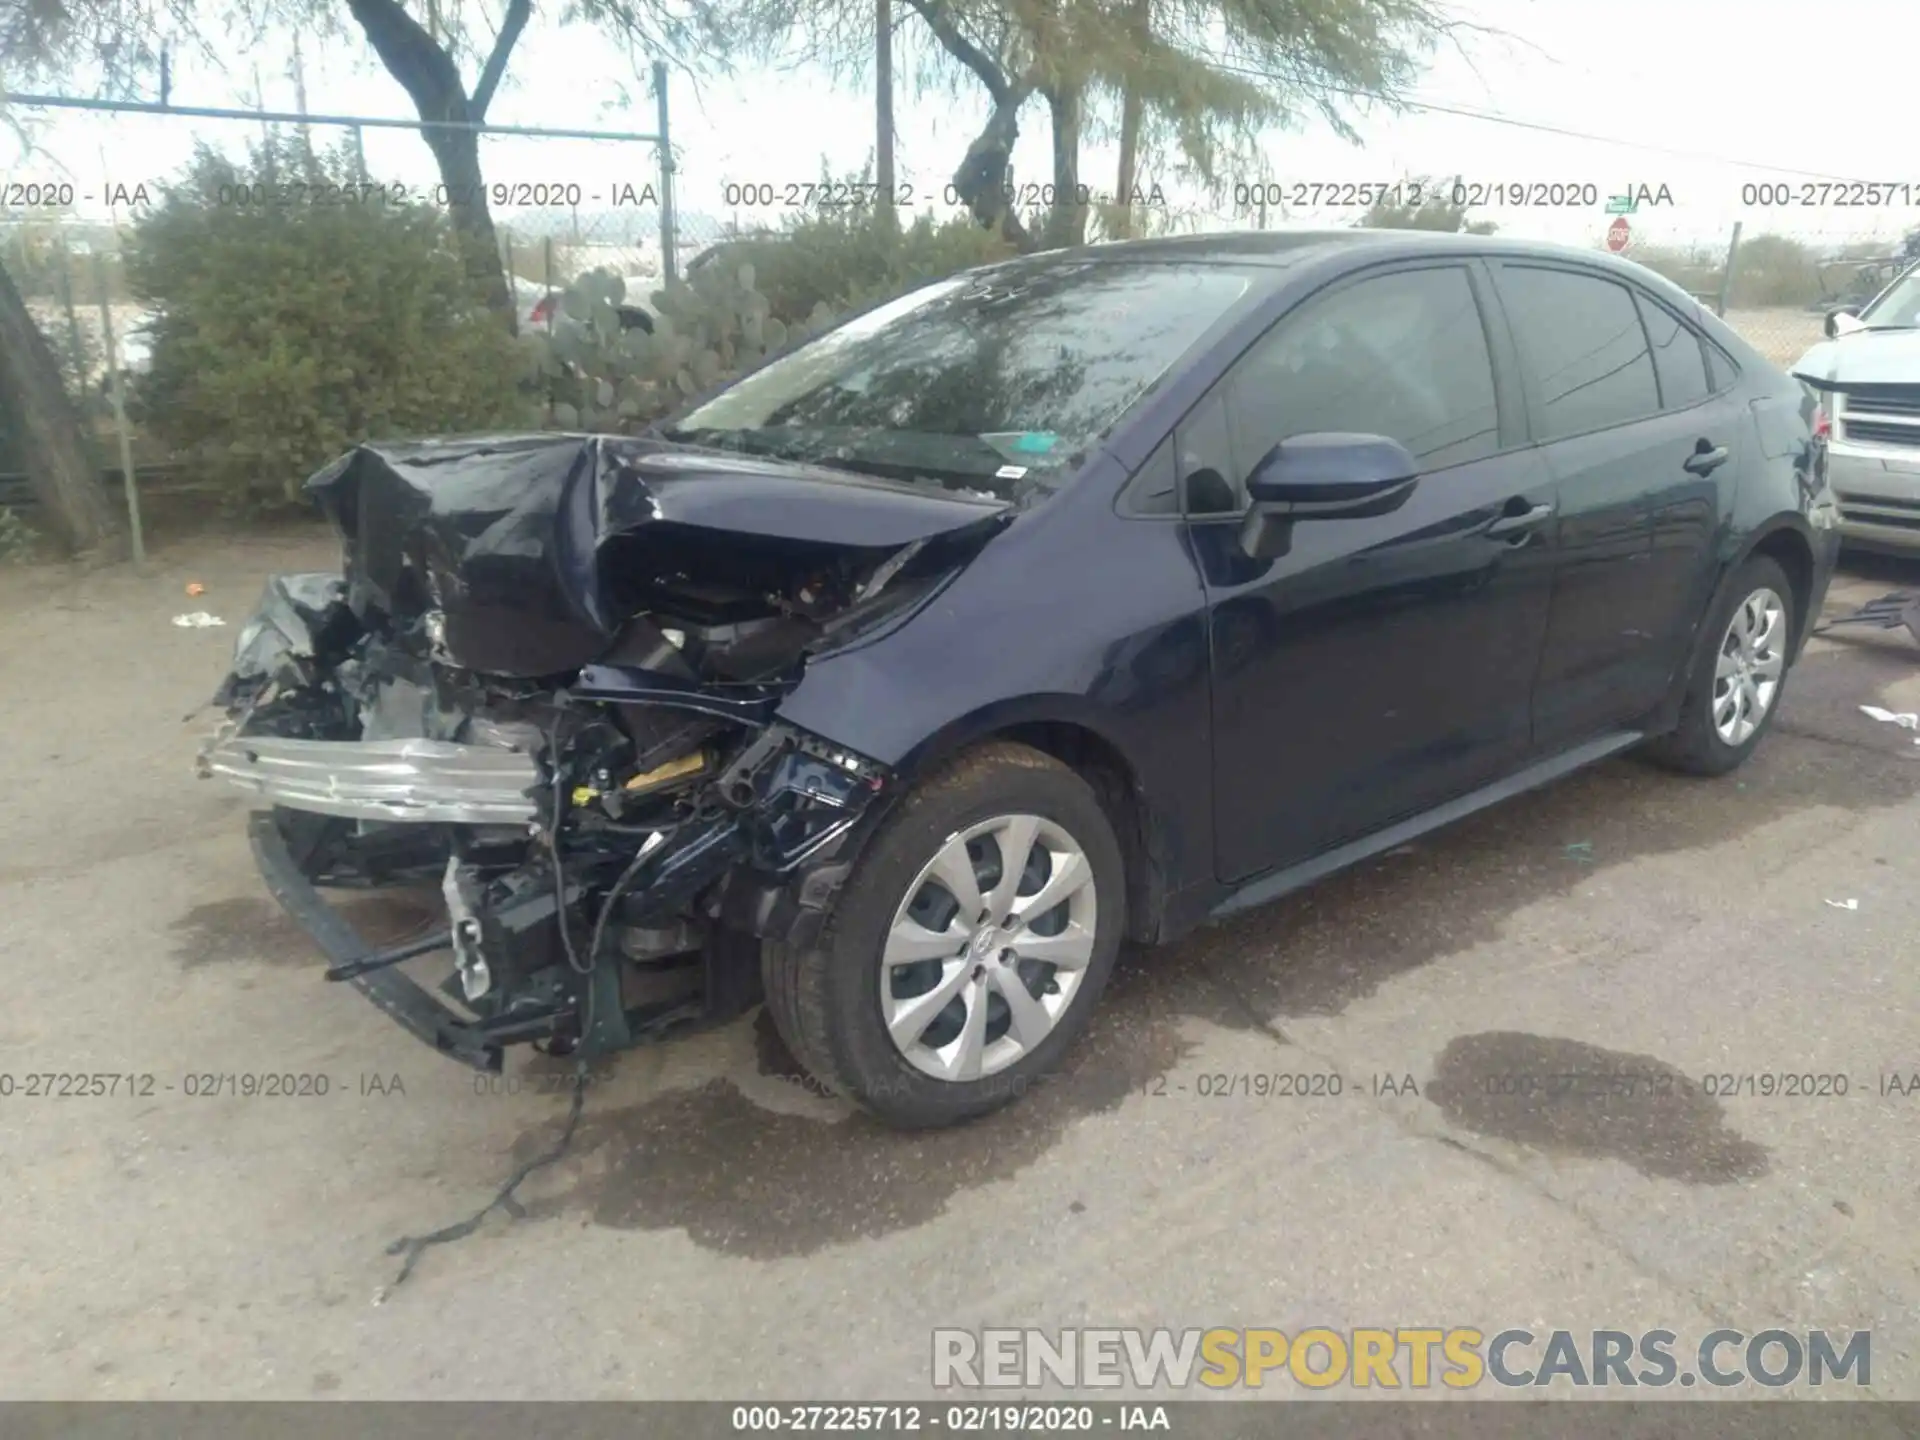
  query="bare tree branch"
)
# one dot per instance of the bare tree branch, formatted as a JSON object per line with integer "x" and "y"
{"x": 414, "y": 58}
{"x": 940, "y": 20}
{"x": 518, "y": 13}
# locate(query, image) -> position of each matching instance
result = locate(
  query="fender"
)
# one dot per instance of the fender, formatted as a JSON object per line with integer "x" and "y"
{"x": 1668, "y": 714}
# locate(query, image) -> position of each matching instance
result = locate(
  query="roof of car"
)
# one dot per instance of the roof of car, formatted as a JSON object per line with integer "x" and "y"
{"x": 1287, "y": 247}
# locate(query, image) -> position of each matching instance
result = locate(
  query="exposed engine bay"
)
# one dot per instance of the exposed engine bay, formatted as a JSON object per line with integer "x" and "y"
{"x": 546, "y": 683}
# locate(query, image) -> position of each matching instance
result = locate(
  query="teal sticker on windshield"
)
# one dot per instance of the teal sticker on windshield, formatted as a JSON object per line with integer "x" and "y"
{"x": 1025, "y": 447}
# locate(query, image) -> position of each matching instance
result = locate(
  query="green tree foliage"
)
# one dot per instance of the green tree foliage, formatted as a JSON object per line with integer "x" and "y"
{"x": 1200, "y": 80}
{"x": 450, "y": 56}
{"x": 287, "y": 333}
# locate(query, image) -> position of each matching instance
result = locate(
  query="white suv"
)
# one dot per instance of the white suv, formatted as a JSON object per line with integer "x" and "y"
{"x": 1868, "y": 376}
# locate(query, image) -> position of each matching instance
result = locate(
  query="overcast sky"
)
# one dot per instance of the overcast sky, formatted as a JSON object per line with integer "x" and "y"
{"x": 1703, "y": 98}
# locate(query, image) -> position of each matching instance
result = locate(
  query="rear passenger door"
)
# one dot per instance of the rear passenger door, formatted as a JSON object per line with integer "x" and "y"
{"x": 1638, "y": 445}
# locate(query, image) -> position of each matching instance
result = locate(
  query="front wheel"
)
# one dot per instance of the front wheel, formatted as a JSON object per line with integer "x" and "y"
{"x": 968, "y": 948}
{"x": 1734, "y": 690}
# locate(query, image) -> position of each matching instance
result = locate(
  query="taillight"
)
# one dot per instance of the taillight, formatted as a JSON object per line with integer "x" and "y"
{"x": 542, "y": 308}
{"x": 1822, "y": 423}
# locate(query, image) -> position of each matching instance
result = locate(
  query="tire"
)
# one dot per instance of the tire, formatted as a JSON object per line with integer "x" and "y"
{"x": 1700, "y": 745}
{"x": 832, "y": 1007}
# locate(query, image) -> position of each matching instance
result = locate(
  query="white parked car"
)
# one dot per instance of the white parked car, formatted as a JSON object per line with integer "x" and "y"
{"x": 1868, "y": 374}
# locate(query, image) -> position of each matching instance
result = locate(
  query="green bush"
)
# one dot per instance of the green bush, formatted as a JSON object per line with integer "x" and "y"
{"x": 707, "y": 329}
{"x": 845, "y": 256}
{"x": 1774, "y": 270}
{"x": 288, "y": 332}
{"x": 19, "y": 541}
{"x": 753, "y": 296}
{"x": 1697, "y": 271}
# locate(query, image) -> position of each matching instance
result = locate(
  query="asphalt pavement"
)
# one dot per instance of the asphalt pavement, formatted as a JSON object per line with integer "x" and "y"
{"x": 718, "y": 1230}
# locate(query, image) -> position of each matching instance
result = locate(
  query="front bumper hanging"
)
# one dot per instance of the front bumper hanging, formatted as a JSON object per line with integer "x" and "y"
{"x": 480, "y": 1044}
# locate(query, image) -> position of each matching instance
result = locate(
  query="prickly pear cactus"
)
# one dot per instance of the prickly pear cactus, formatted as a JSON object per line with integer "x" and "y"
{"x": 708, "y": 330}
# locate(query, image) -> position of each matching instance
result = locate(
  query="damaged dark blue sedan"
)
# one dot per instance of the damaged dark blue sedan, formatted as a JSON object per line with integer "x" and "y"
{"x": 1070, "y": 601}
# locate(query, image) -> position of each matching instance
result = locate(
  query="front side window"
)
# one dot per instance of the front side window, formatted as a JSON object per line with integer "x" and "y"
{"x": 997, "y": 381}
{"x": 1581, "y": 341}
{"x": 1402, "y": 355}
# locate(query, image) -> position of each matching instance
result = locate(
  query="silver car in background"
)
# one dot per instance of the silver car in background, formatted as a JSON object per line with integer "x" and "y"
{"x": 1868, "y": 374}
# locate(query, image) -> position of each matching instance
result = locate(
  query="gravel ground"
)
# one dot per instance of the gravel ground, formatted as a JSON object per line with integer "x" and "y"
{"x": 1783, "y": 336}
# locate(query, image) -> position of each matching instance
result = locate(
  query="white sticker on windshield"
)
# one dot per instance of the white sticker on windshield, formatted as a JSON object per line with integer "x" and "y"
{"x": 1009, "y": 472}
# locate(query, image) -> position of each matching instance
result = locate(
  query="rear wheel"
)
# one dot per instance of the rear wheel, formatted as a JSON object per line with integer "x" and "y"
{"x": 1738, "y": 674}
{"x": 967, "y": 949}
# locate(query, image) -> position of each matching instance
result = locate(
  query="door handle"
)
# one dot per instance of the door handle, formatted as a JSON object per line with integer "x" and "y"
{"x": 1515, "y": 526}
{"x": 1706, "y": 459}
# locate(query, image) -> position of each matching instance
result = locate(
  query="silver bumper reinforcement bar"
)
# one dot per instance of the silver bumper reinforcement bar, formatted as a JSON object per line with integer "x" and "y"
{"x": 424, "y": 780}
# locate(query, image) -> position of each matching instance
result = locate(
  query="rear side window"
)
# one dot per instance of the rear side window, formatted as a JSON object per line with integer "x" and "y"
{"x": 1721, "y": 372}
{"x": 1584, "y": 349}
{"x": 1678, "y": 357}
{"x": 1402, "y": 355}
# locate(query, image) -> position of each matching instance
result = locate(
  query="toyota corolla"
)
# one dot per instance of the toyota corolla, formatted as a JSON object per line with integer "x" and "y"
{"x": 1068, "y": 602}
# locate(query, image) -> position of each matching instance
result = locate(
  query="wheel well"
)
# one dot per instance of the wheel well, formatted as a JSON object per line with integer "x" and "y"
{"x": 1098, "y": 762}
{"x": 1790, "y": 551}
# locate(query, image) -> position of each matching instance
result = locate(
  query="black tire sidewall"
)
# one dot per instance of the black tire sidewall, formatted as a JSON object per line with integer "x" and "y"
{"x": 862, "y": 1053}
{"x": 1710, "y": 752}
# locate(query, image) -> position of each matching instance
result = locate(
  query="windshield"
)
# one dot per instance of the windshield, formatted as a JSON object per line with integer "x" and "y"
{"x": 998, "y": 381}
{"x": 1899, "y": 307}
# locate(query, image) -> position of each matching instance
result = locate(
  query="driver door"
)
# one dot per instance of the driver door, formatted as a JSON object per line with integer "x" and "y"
{"x": 1385, "y": 664}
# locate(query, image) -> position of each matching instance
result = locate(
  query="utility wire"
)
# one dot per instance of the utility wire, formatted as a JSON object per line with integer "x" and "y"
{"x": 1494, "y": 117}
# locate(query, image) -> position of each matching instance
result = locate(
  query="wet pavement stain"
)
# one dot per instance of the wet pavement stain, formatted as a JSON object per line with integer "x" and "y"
{"x": 248, "y": 928}
{"x": 255, "y": 928}
{"x": 772, "y": 1058}
{"x": 1572, "y": 1099}
{"x": 746, "y": 1181}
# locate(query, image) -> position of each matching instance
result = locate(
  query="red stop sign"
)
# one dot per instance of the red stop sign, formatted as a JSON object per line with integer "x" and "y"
{"x": 1618, "y": 234}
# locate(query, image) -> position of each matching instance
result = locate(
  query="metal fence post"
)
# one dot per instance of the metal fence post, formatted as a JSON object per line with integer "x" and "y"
{"x": 119, "y": 411}
{"x": 547, "y": 256}
{"x": 669, "y": 263}
{"x": 1726, "y": 275}
{"x": 75, "y": 346}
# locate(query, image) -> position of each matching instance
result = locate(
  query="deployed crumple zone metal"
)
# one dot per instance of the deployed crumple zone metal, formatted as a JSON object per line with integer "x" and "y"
{"x": 547, "y": 683}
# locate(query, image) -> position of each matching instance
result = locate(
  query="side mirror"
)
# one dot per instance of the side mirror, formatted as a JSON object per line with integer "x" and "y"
{"x": 1326, "y": 476}
{"x": 1843, "y": 321}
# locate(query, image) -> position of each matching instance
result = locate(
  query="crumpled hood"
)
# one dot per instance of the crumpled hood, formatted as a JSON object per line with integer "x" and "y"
{"x": 1866, "y": 357}
{"x": 503, "y": 535}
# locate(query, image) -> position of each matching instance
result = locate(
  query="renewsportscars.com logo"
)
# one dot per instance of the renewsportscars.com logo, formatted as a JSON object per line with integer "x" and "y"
{"x": 1408, "y": 1358}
